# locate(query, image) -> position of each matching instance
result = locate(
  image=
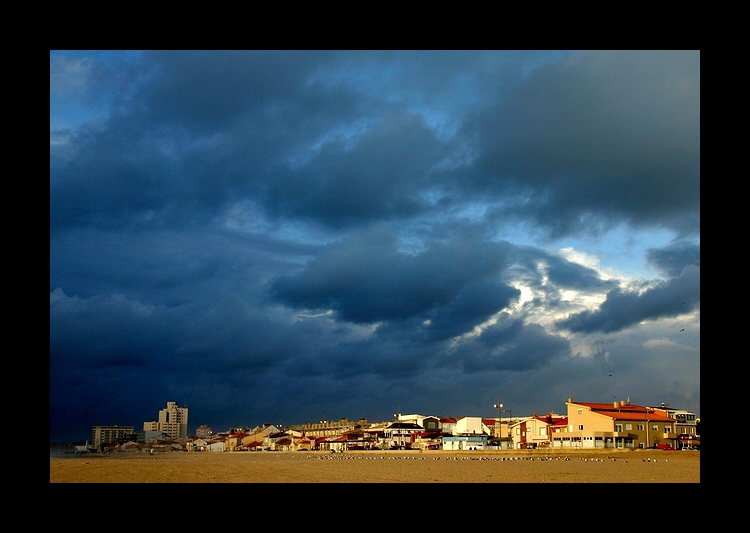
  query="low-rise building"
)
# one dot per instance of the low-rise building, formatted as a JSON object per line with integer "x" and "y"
{"x": 686, "y": 425}
{"x": 113, "y": 434}
{"x": 615, "y": 425}
{"x": 535, "y": 431}
{"x": 401, "y": 434}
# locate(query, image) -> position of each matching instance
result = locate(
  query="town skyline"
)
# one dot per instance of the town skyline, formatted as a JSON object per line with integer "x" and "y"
{"x": 507, "y": 413}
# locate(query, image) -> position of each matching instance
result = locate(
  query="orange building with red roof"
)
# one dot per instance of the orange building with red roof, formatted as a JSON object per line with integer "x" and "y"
{"x": 620, "y": 425}
{"x": 536, "y": 431}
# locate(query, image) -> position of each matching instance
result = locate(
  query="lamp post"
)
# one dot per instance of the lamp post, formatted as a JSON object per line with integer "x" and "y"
{"x": 499, "y": 407}
{"x": 397, "y": 419}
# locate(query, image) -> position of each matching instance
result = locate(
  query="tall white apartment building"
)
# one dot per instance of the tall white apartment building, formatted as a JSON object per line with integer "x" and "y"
{"x": 173, "y": 422}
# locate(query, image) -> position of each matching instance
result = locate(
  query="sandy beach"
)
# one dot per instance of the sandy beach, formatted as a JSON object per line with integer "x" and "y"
{"x": 637, "y": 466}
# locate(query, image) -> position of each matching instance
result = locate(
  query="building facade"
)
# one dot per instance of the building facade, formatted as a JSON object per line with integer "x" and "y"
{"x": 686, "y": 425}
{"x": 329, "y": 428}
{"x": 615, "y": 425}
{"x": 535, "y": 431}
{"x": 203, "y": 432}
{"x": 173, "y": 422}
{"x": 110, "y": 434}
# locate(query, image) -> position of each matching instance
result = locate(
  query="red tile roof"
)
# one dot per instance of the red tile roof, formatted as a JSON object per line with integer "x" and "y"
{"x": 626, "y": 411}
{"x": 551, "y": 420}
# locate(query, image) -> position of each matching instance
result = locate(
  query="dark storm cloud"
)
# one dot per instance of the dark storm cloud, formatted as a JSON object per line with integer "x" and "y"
{"x": 201, "y": 129}
{"x": 195, "y": 130}
{"x": 597, "y": 136}
{"x": 623, "y": 309}
{"x": 511, "y": 345}
{"x": 673, "y": 258}
{"x": 378, "y": 178}
{"x": 568, "y": 275}
{"x": 600, "y": 132}
{"x": 366, "y": 279}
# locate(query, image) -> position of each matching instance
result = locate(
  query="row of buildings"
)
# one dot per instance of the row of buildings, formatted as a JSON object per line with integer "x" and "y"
{"x": 586, "y": 425}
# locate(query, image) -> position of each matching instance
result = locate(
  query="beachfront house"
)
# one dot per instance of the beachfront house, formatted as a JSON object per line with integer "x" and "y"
{"x": 196, "y": 445}
{"x": 618, "y": 425}
{"x": 217, "y": 446}
{"x": 400, "y": 435}
{"x": 471, "y": 425}
{"x": 534, "y": 432}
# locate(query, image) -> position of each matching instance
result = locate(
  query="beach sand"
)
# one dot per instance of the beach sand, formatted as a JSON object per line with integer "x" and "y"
{"x": 635, "y": 466}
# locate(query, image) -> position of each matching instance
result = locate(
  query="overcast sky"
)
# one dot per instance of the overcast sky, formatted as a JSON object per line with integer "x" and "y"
{"x": 285, "y": 236}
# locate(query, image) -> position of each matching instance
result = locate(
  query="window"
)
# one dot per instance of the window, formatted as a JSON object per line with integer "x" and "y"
{"x": 628, "y": 427}
{"x": 654, "y": 428}
{"x": 580, "y": 427}
{"x": 640, "y": 427}
{"x": 580, "y": 411}
{"x": 618, "y": 427}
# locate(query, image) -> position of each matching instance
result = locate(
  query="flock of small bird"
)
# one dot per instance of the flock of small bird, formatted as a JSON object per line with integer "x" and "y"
{"x": 355, "y": 457}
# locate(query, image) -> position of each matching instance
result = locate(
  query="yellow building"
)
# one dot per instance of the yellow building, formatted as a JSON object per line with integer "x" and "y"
{"x": 618, "y": 425}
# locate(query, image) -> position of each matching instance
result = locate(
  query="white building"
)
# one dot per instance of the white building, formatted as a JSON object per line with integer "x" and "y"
{"x": 173, "y": 421}
{"x": 471, "y": 425}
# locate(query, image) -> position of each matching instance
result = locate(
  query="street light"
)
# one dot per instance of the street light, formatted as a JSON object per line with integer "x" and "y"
{"x": 499, "y": 407}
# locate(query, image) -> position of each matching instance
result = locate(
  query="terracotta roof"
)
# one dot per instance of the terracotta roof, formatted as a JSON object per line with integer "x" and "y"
{"x": 551, "y": 420}
{"x": 626, "y": 412}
